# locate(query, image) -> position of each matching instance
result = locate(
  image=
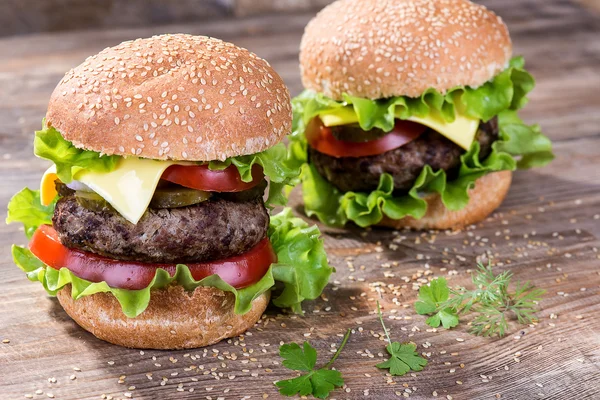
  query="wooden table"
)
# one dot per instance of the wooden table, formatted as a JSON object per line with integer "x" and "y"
{"x": 547, "y": 231}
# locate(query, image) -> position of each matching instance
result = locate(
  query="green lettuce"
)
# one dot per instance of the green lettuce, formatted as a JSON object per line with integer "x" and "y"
{"x": 276, "y": 166}
{"x": 133, "y": 302}
{"x": 519, "y": 146}
{"x": 26, "y": 207}
{"x": 523, "y": 141}
{"x": 301, "y": 265}
{"x": 507, "y": 91}
{"x": 49, "y": 144}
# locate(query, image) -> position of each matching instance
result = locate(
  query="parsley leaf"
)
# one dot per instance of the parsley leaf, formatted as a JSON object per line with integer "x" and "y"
{"x": 297, "y": 359}
{"x": 319, "y": 382}
{"x": 431, "y": 298}
{"x": 403, "y": 358}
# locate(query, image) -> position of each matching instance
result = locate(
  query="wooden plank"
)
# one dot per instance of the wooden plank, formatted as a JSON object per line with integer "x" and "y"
{"x": 547, "y": 231}
{"x": 245, "y": 8}
{"x": 31, "y": 16}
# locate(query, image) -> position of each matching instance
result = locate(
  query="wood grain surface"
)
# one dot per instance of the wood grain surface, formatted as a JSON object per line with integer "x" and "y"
{"x": 547, "y": 231}
{"x": 35, "y": 16}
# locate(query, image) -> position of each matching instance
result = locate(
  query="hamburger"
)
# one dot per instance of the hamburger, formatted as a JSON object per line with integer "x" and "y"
{"x": 409, "y": 117}
{"x": 150, "y": 226}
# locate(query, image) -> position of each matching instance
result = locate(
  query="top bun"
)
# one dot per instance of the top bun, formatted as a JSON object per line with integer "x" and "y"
{"x": 177, "y": 97}
{"x": 384, "y": 48}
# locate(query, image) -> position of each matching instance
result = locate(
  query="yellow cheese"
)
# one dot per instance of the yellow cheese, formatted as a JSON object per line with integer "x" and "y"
{"x": 461, "y": 131}
{"x": 339, "y": 116}
{"x": 128, "y": 188}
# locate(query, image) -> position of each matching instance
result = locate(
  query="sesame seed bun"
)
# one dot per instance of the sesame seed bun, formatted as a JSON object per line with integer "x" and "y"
{"x": 178, "y": 97}
{"x": 174, "y": 319}
{"x": 487, "y": 195}
{"x": 384, "y": 48}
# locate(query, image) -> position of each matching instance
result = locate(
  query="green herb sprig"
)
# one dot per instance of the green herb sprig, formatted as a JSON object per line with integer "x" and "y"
{"x": 403, "y": 357}
{"x": 317, "y": 382}
{"x": 491, "y": 300}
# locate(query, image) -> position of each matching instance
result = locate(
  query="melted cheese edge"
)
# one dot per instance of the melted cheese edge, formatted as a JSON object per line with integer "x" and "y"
{"x": 461, "y": 131}
{"x": 128, "y": 188}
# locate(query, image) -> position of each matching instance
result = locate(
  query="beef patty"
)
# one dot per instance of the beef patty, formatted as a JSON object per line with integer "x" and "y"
{"x": 214, "y": 229}
{"x": 404, "y": 164}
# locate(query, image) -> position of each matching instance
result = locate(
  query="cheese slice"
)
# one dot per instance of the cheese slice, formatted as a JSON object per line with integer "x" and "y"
{"x": 128, "y": 188}
{"x": 461, "y": 131}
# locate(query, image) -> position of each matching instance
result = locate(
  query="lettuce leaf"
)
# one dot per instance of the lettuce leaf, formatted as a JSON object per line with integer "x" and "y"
{"x": 534, "y": 149}
{"x": 276, "y": 166}
{"x": 49, "y": 144}
{"x": 519, "y": 146}
{"x": 133, "y": 302}
{"x": 302, "y": 266}
{"x": 336, "y": 208}
{"x": 26, "y": 207}
{"x": 507, "y": 91}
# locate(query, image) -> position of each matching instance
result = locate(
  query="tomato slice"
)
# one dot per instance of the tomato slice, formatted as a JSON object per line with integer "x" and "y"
{"x": 321, "y": 139}
{"x": 238, "y": 271}
{"x": 200, "y": 177}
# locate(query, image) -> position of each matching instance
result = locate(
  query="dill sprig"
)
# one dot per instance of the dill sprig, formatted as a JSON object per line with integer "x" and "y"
{"x": 492, "y": 301}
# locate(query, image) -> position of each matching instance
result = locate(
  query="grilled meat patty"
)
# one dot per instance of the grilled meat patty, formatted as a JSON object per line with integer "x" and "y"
{"x": 221, "y": 227}
{"x": 361, "y": 174}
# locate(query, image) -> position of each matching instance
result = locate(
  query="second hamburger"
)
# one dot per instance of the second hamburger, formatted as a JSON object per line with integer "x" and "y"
{"x": 409, "y": 117}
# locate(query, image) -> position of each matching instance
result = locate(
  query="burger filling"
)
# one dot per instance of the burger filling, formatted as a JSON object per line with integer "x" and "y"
{"x": 128, "y": 226}
{"x": 209, "y": 231}
{"x": 180, "y": 226}
{"x": 403, "y": 163}
{"x": 368, "y": 159}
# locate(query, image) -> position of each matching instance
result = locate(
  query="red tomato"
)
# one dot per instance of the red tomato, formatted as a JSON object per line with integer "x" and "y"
{"x": 239, "y": 271}
{"x": 199, "y": 177}
{"x": 321, "y": 139}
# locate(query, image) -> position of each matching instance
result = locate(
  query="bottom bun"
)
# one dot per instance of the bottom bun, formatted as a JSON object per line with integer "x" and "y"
{"x": 174, "y": 319}
{"x": 488, "y": 193}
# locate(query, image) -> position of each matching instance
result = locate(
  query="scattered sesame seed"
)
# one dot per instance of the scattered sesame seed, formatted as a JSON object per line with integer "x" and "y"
{"x": 198, "y": 64}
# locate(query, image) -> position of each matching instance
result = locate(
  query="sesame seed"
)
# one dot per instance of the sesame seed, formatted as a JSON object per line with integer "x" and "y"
{"x": 210, "y": 67}
{"x": 423, "y": 31}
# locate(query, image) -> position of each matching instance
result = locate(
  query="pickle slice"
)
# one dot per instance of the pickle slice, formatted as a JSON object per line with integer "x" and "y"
{"x": 171, "y": 197}
{"x": 93, "y": 196}
{"x": 354, "y": 133}
{"x": 177, "y": 197}
{"x": 91, "y": 201}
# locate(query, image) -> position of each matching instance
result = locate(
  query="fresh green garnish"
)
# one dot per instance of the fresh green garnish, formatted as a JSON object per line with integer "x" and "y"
{"x": 431, "y": 299}
{"x": 491, "y": 300}
{"x": 403, "y": 357}
{"x": 316, "y": 382}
